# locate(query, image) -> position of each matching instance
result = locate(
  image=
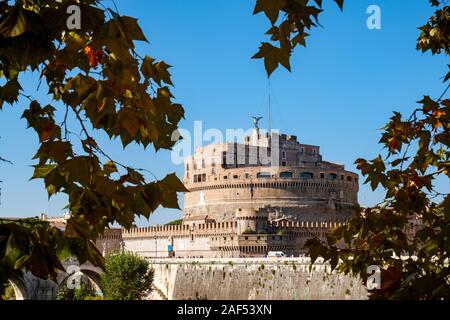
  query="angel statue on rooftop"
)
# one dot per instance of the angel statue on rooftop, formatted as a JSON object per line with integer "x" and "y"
{"x": 256, "y": 122}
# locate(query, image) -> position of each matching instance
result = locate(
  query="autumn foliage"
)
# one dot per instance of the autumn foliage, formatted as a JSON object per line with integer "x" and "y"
{"x": 95, "y": 75}
{"x": 408, "y": 235}
{"x": 97, "y": 82}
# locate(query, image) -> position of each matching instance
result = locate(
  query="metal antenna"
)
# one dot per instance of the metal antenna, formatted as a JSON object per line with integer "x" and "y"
{"x": 270, "y": 111}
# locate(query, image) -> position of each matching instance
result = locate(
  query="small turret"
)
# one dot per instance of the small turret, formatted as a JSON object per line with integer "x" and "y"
{"x": 251, "y": 220}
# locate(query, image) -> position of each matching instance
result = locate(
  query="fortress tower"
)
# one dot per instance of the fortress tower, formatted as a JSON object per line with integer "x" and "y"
{"x": 252, "y": 221}
{"x": 274, "y": 171}
{"x": 269, "y": 193}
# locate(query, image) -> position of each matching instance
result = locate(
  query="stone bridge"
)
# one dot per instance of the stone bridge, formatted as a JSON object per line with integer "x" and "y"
{"x": 30, "y": 287}
{"x": 252, "y": 279}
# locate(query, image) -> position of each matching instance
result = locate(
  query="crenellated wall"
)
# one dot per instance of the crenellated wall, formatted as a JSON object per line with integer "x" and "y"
{"x": 225, "y": 239}
{"x": 230, "y": 227}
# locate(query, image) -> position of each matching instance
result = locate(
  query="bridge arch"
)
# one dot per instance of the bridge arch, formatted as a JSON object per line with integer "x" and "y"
{"x": 90, "y": 273}
{"x": 20, "y": 290}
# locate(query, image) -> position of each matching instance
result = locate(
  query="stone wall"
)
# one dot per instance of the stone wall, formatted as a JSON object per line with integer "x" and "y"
{"x": 110, "y": 241}
{"x": 159, "y": 246}
{"x": 314, "y": 200}
{"x": 222, "y": 240}
{"x": 253, "y": 279}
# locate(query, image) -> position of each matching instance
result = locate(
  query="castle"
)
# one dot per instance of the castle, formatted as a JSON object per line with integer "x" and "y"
{"x": 269, "y": 193}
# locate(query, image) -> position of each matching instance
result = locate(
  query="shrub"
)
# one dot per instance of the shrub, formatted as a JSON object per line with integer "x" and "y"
{"x": 178, "y": 222}
{"x": 85, "y": 292}
{"x": 9, "y": 293}
{"x": 249, "y": 231}
{"x": 127, "y": 277}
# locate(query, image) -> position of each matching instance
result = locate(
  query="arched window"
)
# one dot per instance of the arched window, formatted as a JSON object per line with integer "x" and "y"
{"x": 286, "y": 175}
{"x": 306, "y": 175}
{"x": 349, "y": 179}
{"x": 264, "y": 175}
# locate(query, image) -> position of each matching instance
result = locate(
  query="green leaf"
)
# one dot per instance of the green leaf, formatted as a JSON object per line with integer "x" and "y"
{"x": 271, "y": 8}
{"x": 15, "y": 23}
{"x": 132, "y": 29}
{"x": 21, "y": 261}
{"x": 10, "y": 92}
{"x": 340, "y": 3}
{"x": 271, "y": 56}
{"x": 109, "y": 167}
{"x": 12, "y": 251}
{"x": 41, "y": 171}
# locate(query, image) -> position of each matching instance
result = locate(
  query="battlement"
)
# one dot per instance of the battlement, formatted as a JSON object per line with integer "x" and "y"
{"x": 156, "y": 231}
{"x": 180, "y": 230}
{"x": 230, "y": 227}
{"x": 306, "y": 224}
{"x": 110, "y": 234}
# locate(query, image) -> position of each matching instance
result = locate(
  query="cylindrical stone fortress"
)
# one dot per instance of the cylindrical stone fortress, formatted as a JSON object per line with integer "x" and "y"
{"x": 293, "y": 182}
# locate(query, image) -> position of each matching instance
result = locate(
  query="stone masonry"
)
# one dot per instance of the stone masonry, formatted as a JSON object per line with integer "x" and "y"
{"x": 270, "y": 193}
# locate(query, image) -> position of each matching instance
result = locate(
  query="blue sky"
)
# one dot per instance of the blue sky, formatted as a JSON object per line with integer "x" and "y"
{"x": 342, "y": 89}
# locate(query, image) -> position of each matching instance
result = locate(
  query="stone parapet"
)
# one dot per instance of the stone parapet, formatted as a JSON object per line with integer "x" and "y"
{"x": 215, "y": 229}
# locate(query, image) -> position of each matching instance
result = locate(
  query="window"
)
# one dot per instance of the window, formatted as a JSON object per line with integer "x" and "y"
{"x": 263, "y": 175}
{"x": 283, "y": 155}
{"x": 225, "y": 177}
{"x": 283, "y": 163}
{"x": 322, "y": 175}
{"x": 332, "y": 176}
{"x": 286, "y": 175}
{"x": 306, "y": 175}
{"x": 349, "y": 179}
{"x": 342, "y": 177}
{"x": 235, "y": 176}
{"x": 199, "y": 178}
